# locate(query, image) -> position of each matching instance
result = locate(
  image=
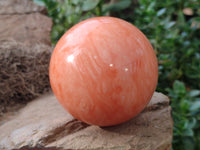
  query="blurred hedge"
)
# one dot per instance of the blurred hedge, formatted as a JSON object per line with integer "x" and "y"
{"x": 173, "y": 28}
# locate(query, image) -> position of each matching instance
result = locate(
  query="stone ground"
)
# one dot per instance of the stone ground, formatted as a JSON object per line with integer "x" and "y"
{"x": 25, "y": 49}
{"x": 42, "y": 123}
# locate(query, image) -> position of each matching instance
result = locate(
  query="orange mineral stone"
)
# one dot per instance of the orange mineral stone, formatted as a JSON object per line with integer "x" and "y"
{"x": 103, "y": 71}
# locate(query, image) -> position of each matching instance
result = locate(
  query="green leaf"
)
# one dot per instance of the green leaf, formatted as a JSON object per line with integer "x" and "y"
{"x": 184, "y": 105}
{"x": 195, "y": 106}
{"x": 170, "y": 24}
{"x": 188, "y": 143}
{"x": 89, "y": 4}
{"x": 151, "y": 7}
{"x": 179, "y": 87}
{"x": 161, "y": 12}
{"x": 188, "y": 132}
{"x": 192, "y": 123}
{"x": 181, "y": 18}
{"x": 194, "y": 93}
{"x": 197, "y": 19}
{"x": 76, "y": 2}
{"x": 122, "y": 4}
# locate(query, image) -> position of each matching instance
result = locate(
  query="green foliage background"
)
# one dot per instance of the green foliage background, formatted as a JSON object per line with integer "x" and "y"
{"x": 175, "y": 36}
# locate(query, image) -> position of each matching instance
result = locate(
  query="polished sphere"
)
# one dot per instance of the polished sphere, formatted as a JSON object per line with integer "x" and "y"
{"x": 103, "y": 71}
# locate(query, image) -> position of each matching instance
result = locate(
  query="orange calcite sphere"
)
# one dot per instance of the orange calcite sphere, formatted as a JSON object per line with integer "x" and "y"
{"x": 103, "y": 71}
